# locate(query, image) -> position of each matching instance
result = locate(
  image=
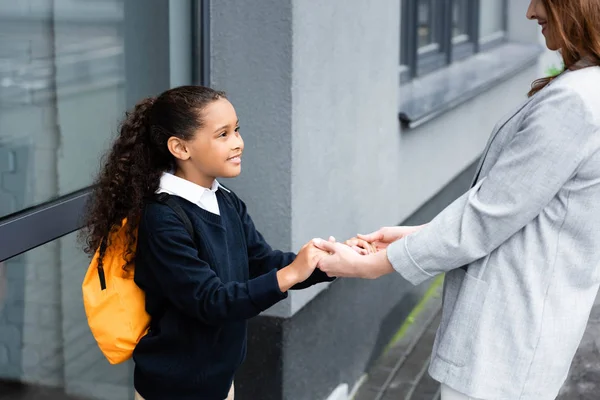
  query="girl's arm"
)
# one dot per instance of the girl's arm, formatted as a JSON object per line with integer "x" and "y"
{"x": 193, "y": 287}
{"x": 166, "y": 252}
{"x": 263, "y": 259}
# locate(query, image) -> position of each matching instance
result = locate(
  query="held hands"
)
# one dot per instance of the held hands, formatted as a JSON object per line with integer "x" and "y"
{"x": 302, "y": 267}
{"x": 306, "y": 261}
{"x": 364, "y": 256}
{"x": 343, "y": 261}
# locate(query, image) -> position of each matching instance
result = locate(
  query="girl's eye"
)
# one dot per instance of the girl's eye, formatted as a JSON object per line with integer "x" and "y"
{"x": 224, "y": 134}
{"x": 237, "y": 129}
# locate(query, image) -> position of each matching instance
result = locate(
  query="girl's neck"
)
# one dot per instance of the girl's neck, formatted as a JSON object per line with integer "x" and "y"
{"x": 195, "y": 177}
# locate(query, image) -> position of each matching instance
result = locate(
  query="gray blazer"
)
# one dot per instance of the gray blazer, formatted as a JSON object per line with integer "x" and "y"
{"x": 528, "y": 233}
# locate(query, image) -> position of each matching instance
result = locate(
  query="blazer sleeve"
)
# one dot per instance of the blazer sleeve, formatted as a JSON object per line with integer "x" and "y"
{"x": 541, "y": 157}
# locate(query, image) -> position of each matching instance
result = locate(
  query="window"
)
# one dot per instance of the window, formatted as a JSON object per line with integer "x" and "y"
{"x": 68, "y": 71}
{"x": 492, "y": 22}
{"x": 54, "y": 77}
{"x": 425, "y": 29}
{"x": 45, "y": 344}
{"x": 437, "y": 32}
{"x": 460, "y": 20}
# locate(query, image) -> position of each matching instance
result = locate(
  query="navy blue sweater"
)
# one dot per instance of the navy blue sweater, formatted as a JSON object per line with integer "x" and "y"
{"x": 199, "y": 293}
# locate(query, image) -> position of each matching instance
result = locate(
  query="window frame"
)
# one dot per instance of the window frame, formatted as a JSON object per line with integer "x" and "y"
{"x": 415, "y": 63}
{"x": 497, "y": 38}
{"x": 35, "y": 226}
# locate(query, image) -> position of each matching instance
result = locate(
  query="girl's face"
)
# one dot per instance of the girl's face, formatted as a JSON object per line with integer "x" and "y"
{"x": 538, "y": 11}
{"x": 216, "y": 149}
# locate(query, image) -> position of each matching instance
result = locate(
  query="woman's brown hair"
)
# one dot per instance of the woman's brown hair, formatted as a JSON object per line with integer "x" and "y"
{"x": 576, "y": 26}
{"x": 139, "y": 155}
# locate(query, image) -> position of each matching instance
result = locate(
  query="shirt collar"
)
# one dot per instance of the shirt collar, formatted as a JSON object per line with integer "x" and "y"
{"x": 190, "y": 191}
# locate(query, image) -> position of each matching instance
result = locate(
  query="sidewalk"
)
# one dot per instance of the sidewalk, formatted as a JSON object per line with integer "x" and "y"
{"x": 401, "y": 373}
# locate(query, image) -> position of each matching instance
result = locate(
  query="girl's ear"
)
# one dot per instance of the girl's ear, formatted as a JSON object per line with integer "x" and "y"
{"x": 178, "y": 148}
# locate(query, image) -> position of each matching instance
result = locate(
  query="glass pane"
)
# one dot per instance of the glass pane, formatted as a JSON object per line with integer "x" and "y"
{"x": 58, "y": 67}
{"x": 64, "y": 85}
{"x": 45, "y": 344}
{"x": 491, "y": 17}
{"x": 425, "y": 23}
{"x": 460, "y": 18}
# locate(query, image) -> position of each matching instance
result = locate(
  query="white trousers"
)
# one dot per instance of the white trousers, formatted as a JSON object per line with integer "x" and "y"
{"x": 229, "y": 396}
{"x": 450, "y": 394}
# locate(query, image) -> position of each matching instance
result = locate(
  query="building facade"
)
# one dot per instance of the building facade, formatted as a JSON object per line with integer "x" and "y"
{"x": 355, "y": 115}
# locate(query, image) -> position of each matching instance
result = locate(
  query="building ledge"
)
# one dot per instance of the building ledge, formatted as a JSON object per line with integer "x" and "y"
{"x": 424, "y": 98}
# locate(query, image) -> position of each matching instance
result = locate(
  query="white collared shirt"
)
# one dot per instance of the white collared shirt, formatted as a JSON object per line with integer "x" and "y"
{"x": 204, "y": 198}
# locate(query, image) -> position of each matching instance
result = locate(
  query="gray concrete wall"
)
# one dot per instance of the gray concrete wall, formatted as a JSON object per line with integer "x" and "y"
{"x": 251, "y": 59}
{"x": 305, "y": 136}
{"x": 436, "y": 152}
{"x": 345, "y": 140}
{"x": 316, "y": 86}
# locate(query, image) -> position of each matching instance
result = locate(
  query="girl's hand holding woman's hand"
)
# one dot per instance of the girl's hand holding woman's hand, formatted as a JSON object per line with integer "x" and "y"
{"x": 302, "y": 267}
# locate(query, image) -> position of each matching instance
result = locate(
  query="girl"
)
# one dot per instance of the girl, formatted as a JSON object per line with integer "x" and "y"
{"x": 200, "y": 290}
{"x": 521, "y": 249}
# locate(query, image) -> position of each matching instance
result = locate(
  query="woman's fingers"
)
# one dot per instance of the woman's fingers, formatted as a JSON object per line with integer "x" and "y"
{"x": 371, "y": 237}
{"x": 325, "y": 245}
{"x": 361, "y": 246}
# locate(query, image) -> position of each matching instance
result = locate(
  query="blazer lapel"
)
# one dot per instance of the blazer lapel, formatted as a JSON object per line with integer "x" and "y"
{"x": 499, "y": 127}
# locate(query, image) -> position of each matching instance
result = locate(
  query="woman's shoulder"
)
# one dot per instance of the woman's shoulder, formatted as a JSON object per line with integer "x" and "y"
{"x": 582, "y": 85}
{"x": 574, "y": 95}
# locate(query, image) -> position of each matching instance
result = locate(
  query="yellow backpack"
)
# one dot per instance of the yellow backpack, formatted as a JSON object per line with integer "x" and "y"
{"x": 114, "y": 305}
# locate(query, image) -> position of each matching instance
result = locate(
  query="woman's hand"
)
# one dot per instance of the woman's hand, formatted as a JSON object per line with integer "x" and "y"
{"x": 361, "y": 246}
{"x": 383, "y": 237}
{"x": 343, "y": 261}
{"x": 379, "y": 240}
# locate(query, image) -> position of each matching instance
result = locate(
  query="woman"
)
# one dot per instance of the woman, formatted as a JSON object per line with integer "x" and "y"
{"x": 520, "y": 249}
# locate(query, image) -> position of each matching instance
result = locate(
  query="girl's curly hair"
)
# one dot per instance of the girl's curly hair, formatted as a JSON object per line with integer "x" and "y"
{"x": 132, "y": 168}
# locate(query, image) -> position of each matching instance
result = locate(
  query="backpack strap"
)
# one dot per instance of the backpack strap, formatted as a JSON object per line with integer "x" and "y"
{"x": 165, "y": 198}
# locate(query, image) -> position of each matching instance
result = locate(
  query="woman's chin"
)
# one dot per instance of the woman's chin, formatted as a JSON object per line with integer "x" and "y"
{"x": 551, "y": 45}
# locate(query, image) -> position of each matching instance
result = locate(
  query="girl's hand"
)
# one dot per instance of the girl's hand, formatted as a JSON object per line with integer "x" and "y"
{"x": 301, "y": 268}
